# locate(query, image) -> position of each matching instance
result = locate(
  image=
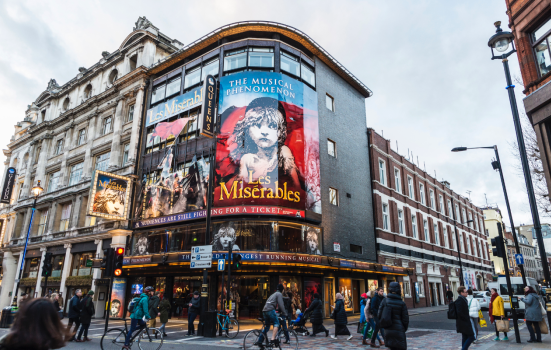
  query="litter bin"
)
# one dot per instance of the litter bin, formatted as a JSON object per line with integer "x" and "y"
{"x": 208, "y": 327}
{"x": 11, "y": 318}
{"x": 5, "y": 317}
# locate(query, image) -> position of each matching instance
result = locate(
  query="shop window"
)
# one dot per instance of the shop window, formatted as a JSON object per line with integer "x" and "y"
{"x": 332, "y": 148}
{"x": 407, "y": 289}
{"x": 65, "y": 217}
{"x": 182, "y": 292}
{"x": 356, "y": 248}
{"x": 31, "y": 268}
{"x": 80, "y": 261}
{"x": 333, "y": 196}
{"x": 248, "y": 295}
{"x": 329, "y": 103}
{"x": 57, "y": 265}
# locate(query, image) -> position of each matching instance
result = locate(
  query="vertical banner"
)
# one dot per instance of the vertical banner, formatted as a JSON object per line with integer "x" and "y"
{"x": 118, "y": 298}
{"x": 209, "y": 107}
{"x": 7, "y": 189}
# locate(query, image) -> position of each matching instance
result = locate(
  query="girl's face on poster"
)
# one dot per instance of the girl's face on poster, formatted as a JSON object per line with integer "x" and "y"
{"x": 264, "y": 134}
{"x": 227, "y": 237}
{"x": 115, "y": 207}
{"x": 313, "y": 244}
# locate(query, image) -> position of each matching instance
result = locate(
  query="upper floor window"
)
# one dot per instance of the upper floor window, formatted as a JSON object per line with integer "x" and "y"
{"x": 81, "y": 137}
{"x": 482, "y": 227}
{"x": 464, "y": 215}
{"x": 102, "y": 161}
{"x": 261, "y": 57}
{"x": 457, "y": 216}
{"x": 422, "y": 193}
{"x": 66, "y": 103}
{"x": 307, "y": 74}
{"x": 58, "y": 147}
{"x": 130, "y": 114}
{"x": 88, "y": 92}
{"x": 332, "y": 148}
{"x": 541, "y": 39}
{"x": 65, "y": 217}
{"x": 329, "y": 103}
{"x": 290, "y": 63}
{"x": 470, "y": 219}
{"x": 236, "y": 59}
{"x": 410, "y": 188}
{"x": 210, "y": 68}
{"x": 400, "y": 222}
{"x": 436, "y": 235}
{"x": 193, "y": 77}
{"x": 333, "y": 196}
{"x": 172, "y": 88}
{"x": 461, "y": 245}
{"x": 42, "y": 222}
{"x": 76, "y": 173}
{"x": 397, "y": 180}
{"x": 450, "y": 211}
{"x": 125, "y": 153}
{"x": 475, "y": 220}
{"x": 431, "y": 196}
{"x": 37, "y": 154}
{"x": 446, "y": 241}
{"x": 426, "y": 230}
{"x": 158, "y": 94}
{"x": 113, "y": 76}
{"x": 382, "y": 172}
{"x": 441, "y": 200}
{"x": 385, "y": 216}
{"x": 52, "y": 181}
{"x": 414, "y": 225}
{"x": 106, "y": 125}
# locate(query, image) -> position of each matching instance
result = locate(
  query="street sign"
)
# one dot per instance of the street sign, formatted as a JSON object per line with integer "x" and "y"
{"x": 336, "y": 247}
{"x": 89, "y": 263}
{"x": 520, "y": 259}
{"x": 201, "y": 257}
{"x": 221, "y": 264}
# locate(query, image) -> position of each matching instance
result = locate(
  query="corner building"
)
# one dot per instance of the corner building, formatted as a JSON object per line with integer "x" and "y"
{"x": 291, "y": 182}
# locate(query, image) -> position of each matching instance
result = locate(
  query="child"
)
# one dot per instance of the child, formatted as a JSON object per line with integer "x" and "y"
{"x": 298, "y": 319}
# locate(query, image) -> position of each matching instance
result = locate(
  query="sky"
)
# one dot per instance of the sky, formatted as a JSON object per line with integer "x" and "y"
{"x": 427, "y": 63}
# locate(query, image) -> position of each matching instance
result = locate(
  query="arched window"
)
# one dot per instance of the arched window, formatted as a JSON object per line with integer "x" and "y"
{"x": 26, "y": 159}
{"x": 113, "y": 76}
{"x": 66, "y": 104}
{"x": 88, "y": 91}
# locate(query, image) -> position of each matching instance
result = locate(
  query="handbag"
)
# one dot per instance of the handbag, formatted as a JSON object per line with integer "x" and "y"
{"x": 60, "y": 313}
{"x": 502, "y": 325}
{"x": 481, "y": 320}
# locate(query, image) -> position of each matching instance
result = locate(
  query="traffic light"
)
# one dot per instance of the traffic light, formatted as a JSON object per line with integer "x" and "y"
{"x": 119, "y": 257}
{"x": 47, "y": 265}
{"x": 107, "y": 262}
{"x": 236, "y": 261}
{"x": 164, "y": 259}
{"x": 497, "y": 247}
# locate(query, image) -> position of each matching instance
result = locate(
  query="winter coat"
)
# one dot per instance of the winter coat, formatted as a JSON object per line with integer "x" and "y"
{"x": 87, "y": 310}
{"x": 533, "y": 308}
{"x": 362, "y": 313}
{"x": 463, "y": 321}
{"x": 316, "y": 311}
{"x": 395, "y": 335}
{"x": 141, "y": 308}
{"x": 475, "y": 306}
{"x": 74, "y": 307}
{"x": 368, "y": 314}
{"x": 375, "y": 303}
{"x": 195, "y": 305}
{"x": 288, "y": 305}
{"x": 340, "y": 314}
{"x": 497, "y": 307}
{"x": 154, "y": 306}
{"x": 164, "y": 309}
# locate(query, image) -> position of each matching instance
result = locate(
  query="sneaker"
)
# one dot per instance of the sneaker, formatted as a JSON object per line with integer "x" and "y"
{"x": 350, "y": 337}
{"x": 334, "y": 337}
{"x": 497, "y": 339}
{"x": 505, "y": 339}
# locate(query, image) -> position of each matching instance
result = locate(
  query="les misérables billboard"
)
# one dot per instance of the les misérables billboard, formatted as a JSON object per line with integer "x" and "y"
{"x": 267, "y": 157}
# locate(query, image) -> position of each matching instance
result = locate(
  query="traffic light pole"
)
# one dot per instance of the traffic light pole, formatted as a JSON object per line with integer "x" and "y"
{"x": 229, "y": 273}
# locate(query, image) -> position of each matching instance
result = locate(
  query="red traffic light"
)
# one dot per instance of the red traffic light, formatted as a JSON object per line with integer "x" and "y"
{"x": 118, "y": 272}
{"x": 119, "y": 251}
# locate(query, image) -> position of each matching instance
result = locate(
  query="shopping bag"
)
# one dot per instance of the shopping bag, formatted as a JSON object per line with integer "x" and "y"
{"x": 543, "y": 327}
{"x": 502, "y": 325}
{"x": 370, "y": 333}
{"x": 481, "y": 320}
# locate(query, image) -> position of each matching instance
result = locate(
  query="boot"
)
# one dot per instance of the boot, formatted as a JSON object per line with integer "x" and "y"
{"x": 374, "y": 346}
{"x": 382, "y": 343}
{"x": 364, "y": 342}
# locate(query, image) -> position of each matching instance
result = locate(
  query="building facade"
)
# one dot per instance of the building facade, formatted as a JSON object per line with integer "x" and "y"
{"x": 422, "y": 225}
{"x": 492, "y": 218}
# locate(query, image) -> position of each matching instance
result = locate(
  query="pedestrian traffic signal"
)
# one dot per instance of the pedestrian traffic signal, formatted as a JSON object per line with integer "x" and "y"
{"x": 47, "y": 265}
{"x": 236, "y": 261}
{"x": 107, "y": 262}
{"x": 497, "y": 247}
{"x": 119, "y": 258}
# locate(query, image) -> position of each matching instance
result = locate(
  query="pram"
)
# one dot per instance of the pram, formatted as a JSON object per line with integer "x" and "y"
{"x": 300, "y": 326}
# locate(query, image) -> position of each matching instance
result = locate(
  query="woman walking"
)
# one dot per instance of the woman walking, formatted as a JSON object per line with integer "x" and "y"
{"x": 474, "y": 308}
{"x": 316, "y": 316}
{"x": 370, "y": 321}
{"x": 87, "y": 310}
{"x": 341, "y": 320}
{"x": 164, "y": 309}
{"x": 55, "y": 299}
{"x": 395, "y": 334}
{"x": 497, "y": 312}
{"x": 363, "y": 319}
{"x": 532, "y": 314}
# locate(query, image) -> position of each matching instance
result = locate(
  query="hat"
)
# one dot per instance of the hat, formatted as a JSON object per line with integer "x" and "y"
{"x": 90, "y": 292}
{"x": 298, "y": 312}
{"x": 280, "y": 287}
{"x": 196, "y": 292}
{"x": 364, "y": 295}
{"x": 394, "y": 288}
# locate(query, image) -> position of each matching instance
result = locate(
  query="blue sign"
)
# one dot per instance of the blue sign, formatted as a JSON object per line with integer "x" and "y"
{"x": 221, "y": 264}
{"x": 192, "y": 264}
{"x": 172, "y": 107}
{"x": 520, "y": 259}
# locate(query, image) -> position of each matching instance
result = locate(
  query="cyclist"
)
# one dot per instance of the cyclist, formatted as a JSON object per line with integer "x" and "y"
{"x": 140, "y": 314}
{"x": 270, "y": 317}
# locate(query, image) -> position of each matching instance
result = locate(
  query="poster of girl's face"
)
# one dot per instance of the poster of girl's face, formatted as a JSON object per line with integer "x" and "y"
{"x": 225, "y": 236}
{"x": 141, "y": 244}
{"x": 268, "y": 145}
{"x": 313, "y": 240}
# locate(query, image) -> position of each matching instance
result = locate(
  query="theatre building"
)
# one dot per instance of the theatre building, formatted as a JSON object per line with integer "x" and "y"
{"x": 291, "y": 177}
{"x": 424, "y": 226}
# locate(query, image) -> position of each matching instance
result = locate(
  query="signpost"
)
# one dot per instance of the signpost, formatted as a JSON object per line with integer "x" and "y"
{"x": 201, "y": 257}
{"x": 520, "y": 259}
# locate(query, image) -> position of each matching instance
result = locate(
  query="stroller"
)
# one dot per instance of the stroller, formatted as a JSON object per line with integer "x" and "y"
{"x": 300, "y": 326}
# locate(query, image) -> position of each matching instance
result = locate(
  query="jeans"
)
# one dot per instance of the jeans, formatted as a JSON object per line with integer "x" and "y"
{"x": 370, "y": 324}
{"x": 76, "y": 321}
{"x": 474, "y": 322}
{"x": 134, "y": 324}
{"x": 191, "y": 316}
{"x": 536, "y": 325}
{"x": 377, "y": 329}
{"x": 285, "y": 330}
{"x": 84, "y": 329}
{"x": 270, "y": 318}
{"x": 162, "y": 328}
{"x": 466, "y": 341}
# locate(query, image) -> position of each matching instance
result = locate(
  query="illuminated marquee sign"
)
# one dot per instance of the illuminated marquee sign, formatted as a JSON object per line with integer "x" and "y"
{"x": 110, "y": 196}
{"x": 179, "y": 104}
{"x": 209, "y": 107}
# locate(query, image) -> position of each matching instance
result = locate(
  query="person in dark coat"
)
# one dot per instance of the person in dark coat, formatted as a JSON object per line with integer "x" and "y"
{"x": 86, "y": 313}
{"x": 154, "y": 308}
{"x": 449, "y": 295}
{"x": 374, "y": 306}
{"x": 396, "y": 333}
{"x": 532, "y": 313}
{"x": 74, "y": 313}
{"x": 164, "y": 310}
{"x": 463, "y": 322}
{"x": 194, "y": 311}
{"x": 341, "y": 320}
{"x": 316, "y": 316}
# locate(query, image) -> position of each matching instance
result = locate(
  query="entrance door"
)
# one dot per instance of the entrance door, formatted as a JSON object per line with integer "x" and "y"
{"x": 438, "y": 290}
{"x": 356, "y": 298}
{"x": 329, "y": 297}
{"x": 432, "y": 296}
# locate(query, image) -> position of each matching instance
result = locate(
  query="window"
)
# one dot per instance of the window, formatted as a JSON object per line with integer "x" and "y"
{"x": 133, "y": 61}
{"x": 65, "y": 217}
{"x": 332, "y": 148}
{"x": 88, "y": 92}
{"x": 482, "y": 226}
{"x": 457, "y": 216}
{"x": 106, "y": 125}
{"x": 125, "y": 153}
{"x": 81, "y": 137}
{"x": 385, "y": 216}
{"x": 410, "y": 188}
{"x": 462, "y": 246}
{"x": 20, "y": 190}
{"x": 450, "y": 211}
{"x": 307, "y": 74}
{"x": 421, "y": 289}
{"x": 261, "y": 57}
{"x": 333, "y": 196}
{"x": 79, "y": 267}
{"x": 431, "y": 196}
{"x": 480, "y": 253}
{"x": 58, "y": 147}
{"x": 31, "y": 268}
{"x": 446, "y": 239}
{"x": 113, "y": 76}
{"x": 414, "y": 226}
{"x": 42, "y": 222}
{"x": 469, "y": 245}
{"x": 37, "y": 155}
{"x": 52, "y": 181}
{"x": 172, "y": 88}
{"x": 66, "y": 104}
{"x": 426, "y": 230}
{"x": 76, "y": 174}
{"x": 290, "y": 64}
{"x": 464, "y": 216}
{"x": 382, "y": 172}
{"x": 130, "y": 115}
{"x": 540, "y": 44}
{"x": 407, "y": 290}
{"x": 158, "y": 94}
{"x": 57, "y": 265}
{"x": 235, "y": 60}
{"x": 470, "y": 219}
{"x": 210, "y": 68}
{"x": 441, "y": 200}
{"x": 400, "y": 222}
{"x": 102, "y": 161}
{"x": 193, "y": 77}
{"x": 436, "y": 234}
{"x": 454, "y": 241}
{"x": 422, "y": 193}
{"x": 397, "y": 180}
{"x": 356, "y": 248}
{"x": 329, "y": 103}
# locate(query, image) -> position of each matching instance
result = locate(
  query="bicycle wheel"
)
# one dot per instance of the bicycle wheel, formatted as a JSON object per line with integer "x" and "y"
{"x": 232, "y": 328}
{"x": 150, "y": 339}
{"x": 293, "y": 341}
{"x": 113, "y": 339}
{"x": 250, "y": 338}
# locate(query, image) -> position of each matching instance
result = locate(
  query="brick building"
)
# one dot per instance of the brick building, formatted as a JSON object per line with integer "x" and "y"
{"x": 414, "y": 228}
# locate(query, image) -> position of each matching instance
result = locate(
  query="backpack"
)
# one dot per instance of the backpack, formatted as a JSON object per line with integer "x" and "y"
{"x": 452, "y": 312}
{"x": 386, "y": 317}
{"x": 132, "y": 305}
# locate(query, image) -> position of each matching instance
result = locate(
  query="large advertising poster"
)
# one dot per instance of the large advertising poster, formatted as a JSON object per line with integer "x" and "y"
{"x": 117, "y": 298}
{"x": 312, "y": 285}
{"x": 110, "y": 196}
{"x": 267, "y": 157}
{"x": 345, "y": 285}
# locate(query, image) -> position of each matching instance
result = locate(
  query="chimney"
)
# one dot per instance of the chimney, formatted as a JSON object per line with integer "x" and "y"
{"x": 446, "y": 183}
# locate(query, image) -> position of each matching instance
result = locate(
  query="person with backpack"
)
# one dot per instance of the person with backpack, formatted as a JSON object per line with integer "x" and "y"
{"x": 374, "y": 310}
{"x": 316, "y": 316}
{"x": 86, "y": 313}
{"x": 459, "y": 309}
{"x": 474, "y": 308}
{"x": 139, "y": 309}
{"x": 74, "y": 313}
{"x": 394, "y": 318}
{"x": 164, "y": 310}
{"x": 341, "y": 320}
{"x": 497, "y": 312}
{"x": 154, "y": 308}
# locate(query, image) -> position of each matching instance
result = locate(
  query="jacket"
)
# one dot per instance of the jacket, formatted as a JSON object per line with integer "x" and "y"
{"x": 362, "y": 312}
{"x": 368, "y": 314}
{"x": 497, "y": 307}
{"x": 339, "y": 313}
{"x": 141, "y": 308}
{"x": 533, "y": 308}
{"x": 195, "y": 305}
{"x": 475, "y": 306}
{"x": 395, "y": 335}
{"x": 154, "y": 306}
{"x": 164, "y": 309}
{"x": 275, "y": 301}
{"x": 375, "y": 303}
{"x": 87, "y": 310}
{"x": 316, "y": 312}
{"x": 463, "y": 323}
{"x": 288, "y": 305}
{"x": 74, "y": 307}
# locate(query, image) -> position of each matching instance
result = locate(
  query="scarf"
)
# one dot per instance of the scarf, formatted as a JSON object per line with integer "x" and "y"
{"x": 494, "y": 296}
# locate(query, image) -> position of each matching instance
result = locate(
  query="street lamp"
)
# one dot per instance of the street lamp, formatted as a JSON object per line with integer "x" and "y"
{"x": 500, "y": 42}
{"x": 36, "y": 191}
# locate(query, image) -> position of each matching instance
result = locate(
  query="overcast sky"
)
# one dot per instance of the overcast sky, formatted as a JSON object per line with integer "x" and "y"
{"x": 427, "y": 63}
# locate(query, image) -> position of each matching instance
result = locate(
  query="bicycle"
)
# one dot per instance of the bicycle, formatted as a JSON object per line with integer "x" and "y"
{"x": 147, "y": 338}
{"x": 249, "y": 342}
{"x": 229, "y": 324}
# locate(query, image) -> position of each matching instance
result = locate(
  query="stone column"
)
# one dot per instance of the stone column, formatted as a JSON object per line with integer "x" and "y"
{"x": 27, "y": 185}
{"x": 75, "y": 212}
{"x": 9, "y": 265}
{"x": 90, "y": 134}
{"x": 67, "y": 262}
{"x": 117, "y": 130}
{"x": 26, "y": 223}
{"x": 51, "y": 218}
{"x": 14, "y": 291}
{"x": 38, "y": 288}
{"x": 136, "y": 122}
{"x": 42, "y": 160}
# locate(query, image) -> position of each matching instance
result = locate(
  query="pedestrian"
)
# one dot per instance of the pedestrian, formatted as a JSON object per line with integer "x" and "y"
{"x": 370, "y": 320}
{"x": 363, "y": 300}
{"x": 36, "y": 327}
{"x": 164, "y": 311}
{"x": 374, "y": 310}
{"x": 532, "y": 313}
{"x": 55, "y": 299}
{"x": 497, "y": 312}
{"x": 316, "y": 316}
{"x": 275, "y": 301}
{"x": 287, "y": 301}
{"x": 474, "y": 308}
{"x": 154, "y": 302}
{"x": 139, "y": 314}
{"x": 87, "y": 310}
{"x": 341, "y": 320}
{"x": 449, "y": 295}
{"x": 74, "y": 313}
{"x": 463, "y": 322}
{"x": 396, "y": 332}
{"x": 193, "y": 311}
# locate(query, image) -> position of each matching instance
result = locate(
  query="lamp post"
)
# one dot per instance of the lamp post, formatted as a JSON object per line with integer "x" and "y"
{"x": 500, "y": 42}
{"x": 497, "y": 166}
{"x": 462, "y": 279}
{"x": 36, "y": 191}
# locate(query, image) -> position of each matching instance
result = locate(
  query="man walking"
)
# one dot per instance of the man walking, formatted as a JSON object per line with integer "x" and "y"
{"x": 463, "y": 322}
{"x": 449, "y": 295}
{"x": 374, "y": 306}
{"x": 74, "y": 313}
{"x": 193, "y": 311}
{"x": 153, "y": 307}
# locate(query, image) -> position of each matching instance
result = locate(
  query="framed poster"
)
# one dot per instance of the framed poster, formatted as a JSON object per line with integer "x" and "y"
{"x": 372, "y": 285}
{"x": 311, "y": 285}
{"x": 118, "y": 293}
{"x": 110, "y": 196}
{"x": 345, "y": 286}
